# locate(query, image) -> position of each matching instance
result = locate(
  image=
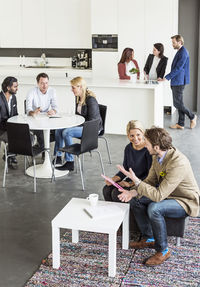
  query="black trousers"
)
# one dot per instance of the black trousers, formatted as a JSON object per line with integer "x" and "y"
{"x": 177, "y": 92}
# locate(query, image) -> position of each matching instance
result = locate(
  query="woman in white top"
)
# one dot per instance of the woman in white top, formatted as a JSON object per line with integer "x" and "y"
{"x": 156, "y": 63}
{"x": 126, "y": 63}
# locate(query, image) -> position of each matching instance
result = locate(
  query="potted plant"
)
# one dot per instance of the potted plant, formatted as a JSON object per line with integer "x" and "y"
{"x": 134, "y": 72}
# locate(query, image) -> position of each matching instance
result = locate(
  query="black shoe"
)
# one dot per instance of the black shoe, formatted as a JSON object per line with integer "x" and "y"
{"x": 11, "y": 159}
{"x": 69, "y": 165}
{"x": 58, "y": 160}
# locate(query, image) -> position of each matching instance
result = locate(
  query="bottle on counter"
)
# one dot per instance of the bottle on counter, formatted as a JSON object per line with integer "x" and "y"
{"x": 74, "y": 62}
{"x": 20, "y": 60}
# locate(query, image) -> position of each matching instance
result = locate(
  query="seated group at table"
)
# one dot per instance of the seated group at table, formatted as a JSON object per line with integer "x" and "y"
{"x": 42, "y": 99}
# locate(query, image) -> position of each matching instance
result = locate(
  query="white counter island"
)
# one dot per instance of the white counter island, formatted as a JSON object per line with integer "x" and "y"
{"x": 125, "y": 100}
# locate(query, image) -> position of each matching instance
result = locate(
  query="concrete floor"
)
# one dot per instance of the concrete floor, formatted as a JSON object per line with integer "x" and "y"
{"x": 25, "y": 217}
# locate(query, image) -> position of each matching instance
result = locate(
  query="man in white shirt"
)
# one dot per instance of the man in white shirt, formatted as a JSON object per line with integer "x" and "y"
{"x": 41, "y": 99}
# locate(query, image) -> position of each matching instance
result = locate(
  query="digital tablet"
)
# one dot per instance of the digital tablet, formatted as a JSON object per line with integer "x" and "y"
{"x": 112, "y": 182}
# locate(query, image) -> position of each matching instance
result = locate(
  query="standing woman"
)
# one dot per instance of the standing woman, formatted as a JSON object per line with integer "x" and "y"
{"x": 86, "y": 106}
{"x": 126, "y": 63}
{"x": 136, "y": 156}
{"x": 156, "y": 63}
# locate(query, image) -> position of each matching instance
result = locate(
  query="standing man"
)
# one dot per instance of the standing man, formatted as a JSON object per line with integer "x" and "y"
{"x": 170, "y": 190}
{"x": 41, "y": 99}
{"x": 8, "y": 109}
{"x": 180, "y": 76}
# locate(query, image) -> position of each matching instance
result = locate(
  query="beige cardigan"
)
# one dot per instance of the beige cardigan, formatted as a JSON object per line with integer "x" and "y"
{"x": 175, "y": 180}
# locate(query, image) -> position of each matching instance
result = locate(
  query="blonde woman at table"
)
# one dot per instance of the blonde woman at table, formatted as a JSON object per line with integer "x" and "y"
{"x": 136, "y": 156}
{"x": 86, "y": 106}
{"x": 126, "y": 63}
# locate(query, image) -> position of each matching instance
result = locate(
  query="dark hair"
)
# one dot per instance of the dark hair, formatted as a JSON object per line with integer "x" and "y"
{"x": 178, "y": 38}
{"x": 126, "y": 55}
{"x": 160, "y": 137}
{"x": 42, "y": 75}
{"x": 160, "y": 48}
{"x": 8, "y": 82}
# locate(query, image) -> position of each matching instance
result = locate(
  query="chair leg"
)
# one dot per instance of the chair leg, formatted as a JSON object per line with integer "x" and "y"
{"x": 178, "y": 241}
{"x": 82, "y": 157}
{"x": 107, "y": 147}
{"x": 34, "y": 169}
{"x": 53, "y": 178}
{"x": 80, "y": 167}
{"x": 25, "y": 165}
{"x": 5, "y": 167}
{"x": 100, "y": 158}
{"x": 52, "y": 165}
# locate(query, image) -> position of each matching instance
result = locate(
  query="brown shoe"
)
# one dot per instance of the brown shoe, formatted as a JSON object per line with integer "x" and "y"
{"x": 157, "y": 259}
{"x": 177, "y": 126}
{"x": 141, "y": 244}
{"x": 193, "y": 122}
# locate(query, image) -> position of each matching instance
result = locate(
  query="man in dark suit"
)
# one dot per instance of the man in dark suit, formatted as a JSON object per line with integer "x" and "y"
{"x": 8, "y": 108}
{"x": 180, "y": 76}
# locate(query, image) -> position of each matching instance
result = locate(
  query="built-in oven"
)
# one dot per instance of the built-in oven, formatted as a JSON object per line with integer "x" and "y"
{"x": 105, "y": 42}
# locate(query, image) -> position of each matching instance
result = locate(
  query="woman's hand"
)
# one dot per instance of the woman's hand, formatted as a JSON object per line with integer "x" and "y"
{"x": 124, "y": 183}
{"x": 114, "y": 178}
{"x": 127, "y": 195}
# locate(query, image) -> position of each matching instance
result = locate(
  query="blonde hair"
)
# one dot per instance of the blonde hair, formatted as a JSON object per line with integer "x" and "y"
{"x": 178, "y": 38}
{"x": 79, "y": 81}
{"x": 134, "y": 125}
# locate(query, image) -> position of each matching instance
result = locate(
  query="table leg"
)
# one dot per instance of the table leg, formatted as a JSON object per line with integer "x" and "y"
{"x": 75, "y": 236}
{"x": 125, "y": 231}
{"x": 112, "y": 254}
{"x": 56, "y": 247}
{"x": 45, "y": 170}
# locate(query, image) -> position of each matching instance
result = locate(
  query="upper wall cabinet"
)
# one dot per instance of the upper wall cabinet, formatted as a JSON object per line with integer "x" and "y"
{"x": 68, "y": 24}
{"x": 45, "y": 24}
{"x": 10, "y": 23}
{"x": 104, "y": 16}
{"x": 33, "y": 24}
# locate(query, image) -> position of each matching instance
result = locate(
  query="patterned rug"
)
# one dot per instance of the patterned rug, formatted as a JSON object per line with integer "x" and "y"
{"x": 181, "y": 269}
{"x": 83, "y": 264}
{"x": 86, "y": 264}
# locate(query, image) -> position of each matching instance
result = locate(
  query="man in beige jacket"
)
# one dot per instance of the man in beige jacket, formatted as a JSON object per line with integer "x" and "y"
{"x": 170, "y": 190}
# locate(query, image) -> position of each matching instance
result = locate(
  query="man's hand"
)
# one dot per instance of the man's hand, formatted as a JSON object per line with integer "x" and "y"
{"x": 34, "y": 113}
{"x": 161, "y": 80}
{"x": 129, "y": 173}
{"x": 127, "y": 195}
{"x": 51, "y": 112}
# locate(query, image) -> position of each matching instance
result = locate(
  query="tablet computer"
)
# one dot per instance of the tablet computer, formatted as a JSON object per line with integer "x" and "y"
{"x": 112, "y": 182}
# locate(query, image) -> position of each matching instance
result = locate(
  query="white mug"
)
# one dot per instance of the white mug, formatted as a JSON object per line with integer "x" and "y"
{"x": 93, "y": 199}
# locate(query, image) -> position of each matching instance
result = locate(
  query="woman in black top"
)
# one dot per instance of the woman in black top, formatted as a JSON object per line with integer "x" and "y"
{"x": 86, "y": 106}
{"x": 156, "y": 63}
{"x": 136, "y": 156}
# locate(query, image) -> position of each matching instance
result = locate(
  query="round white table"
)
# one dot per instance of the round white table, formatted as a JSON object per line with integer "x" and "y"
{"x": 45, "y": 123}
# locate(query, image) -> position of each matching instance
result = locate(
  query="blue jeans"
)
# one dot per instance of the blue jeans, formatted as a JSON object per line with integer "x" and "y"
{"x": 149, "y": 216}
{"x": 177, "y": 92}
{"x": 64, "y": 137}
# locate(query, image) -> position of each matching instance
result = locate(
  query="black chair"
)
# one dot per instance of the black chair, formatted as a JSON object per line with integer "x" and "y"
{"x": 89, "y": 143}
{"x": 103, "y": 111}
{"x": 19, "y": 142}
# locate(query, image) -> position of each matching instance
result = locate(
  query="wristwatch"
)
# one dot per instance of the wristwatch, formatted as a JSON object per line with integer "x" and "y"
{"x": 137, "y": 182}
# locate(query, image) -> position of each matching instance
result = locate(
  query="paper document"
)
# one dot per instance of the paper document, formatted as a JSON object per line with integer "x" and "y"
{"x": 102, "y": 211}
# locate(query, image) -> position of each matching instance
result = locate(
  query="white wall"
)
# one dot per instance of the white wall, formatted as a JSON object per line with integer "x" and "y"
{"x": 140, "y": 24}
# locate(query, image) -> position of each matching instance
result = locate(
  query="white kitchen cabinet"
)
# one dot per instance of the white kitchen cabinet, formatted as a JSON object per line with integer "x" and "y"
{"x": 67, "y": 24}
{"x": 33, "y": 23}
{"x": 104, "y": 16}
{"x": 10, "y": 23}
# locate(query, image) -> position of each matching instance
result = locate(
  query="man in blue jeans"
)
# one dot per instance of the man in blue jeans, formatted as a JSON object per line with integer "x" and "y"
{"x": 180, "y": 76}
{"x": 169, "y": 190}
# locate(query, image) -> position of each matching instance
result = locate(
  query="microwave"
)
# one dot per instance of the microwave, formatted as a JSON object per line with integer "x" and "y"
{"x": 105, "y": 42}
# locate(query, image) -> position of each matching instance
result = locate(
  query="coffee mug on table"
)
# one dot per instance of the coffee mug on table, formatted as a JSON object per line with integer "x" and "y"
{"x": 93, "y": 199}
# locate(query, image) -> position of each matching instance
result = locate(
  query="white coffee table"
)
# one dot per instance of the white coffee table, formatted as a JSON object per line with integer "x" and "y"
{"x": 72, "y": 216}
